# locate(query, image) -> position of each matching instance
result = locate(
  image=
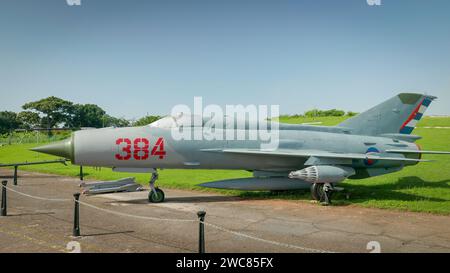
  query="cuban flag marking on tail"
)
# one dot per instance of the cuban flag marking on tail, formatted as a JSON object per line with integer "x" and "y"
{"x": 415, "y": 116}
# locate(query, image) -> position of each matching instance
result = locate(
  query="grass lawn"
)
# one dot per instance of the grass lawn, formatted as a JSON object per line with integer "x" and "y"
{"x": 424, "y": 187}
{"x": 325, "y": 121}
{"x": 443, "y": 121}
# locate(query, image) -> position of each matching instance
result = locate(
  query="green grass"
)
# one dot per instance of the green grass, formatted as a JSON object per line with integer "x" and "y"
{"x": 434, "y": 122}
{"x": 325, "y": 121}
{"x": 423, "y": 188}
{"x": 330, "y": 121}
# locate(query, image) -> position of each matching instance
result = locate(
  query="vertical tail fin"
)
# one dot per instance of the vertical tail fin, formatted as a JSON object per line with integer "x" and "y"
{"x": 399, "y": 114}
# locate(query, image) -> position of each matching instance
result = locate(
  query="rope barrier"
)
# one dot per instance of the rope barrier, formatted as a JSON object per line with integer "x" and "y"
{"x": 173, "y": 220}
{"x": 135, "y": 216}
{"x": 37, "y": 197}
{"x": 266, "y": 241}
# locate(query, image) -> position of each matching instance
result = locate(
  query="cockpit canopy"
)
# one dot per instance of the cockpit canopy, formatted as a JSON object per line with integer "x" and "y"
{"x": 233, "y": 122}
{"x": 188, "y": 120}
{"x": 180, "y": 120}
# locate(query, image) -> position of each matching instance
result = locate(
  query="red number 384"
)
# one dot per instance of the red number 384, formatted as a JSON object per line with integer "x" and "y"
{"x": 139, "y": 149}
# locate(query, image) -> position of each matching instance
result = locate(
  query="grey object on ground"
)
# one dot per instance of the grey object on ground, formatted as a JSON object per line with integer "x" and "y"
{"x": 122, "y": 185}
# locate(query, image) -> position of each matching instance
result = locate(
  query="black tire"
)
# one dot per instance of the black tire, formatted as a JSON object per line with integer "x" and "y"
{"x": 317, "y": 192}
{"x": 156, "y": 198}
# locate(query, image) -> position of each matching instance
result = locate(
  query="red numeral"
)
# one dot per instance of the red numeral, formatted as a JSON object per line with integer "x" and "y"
{"x": 158, "y": 149}
{"x": 143, "y": 149}
{"x": 140, "y": 149}
{"x": 126, "y": 149}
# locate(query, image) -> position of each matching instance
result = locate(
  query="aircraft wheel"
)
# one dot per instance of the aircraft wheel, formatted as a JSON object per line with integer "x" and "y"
{"x": 317, "y": 192}
{"x": 322, "y": 193}
{"x": 157, "y": 197}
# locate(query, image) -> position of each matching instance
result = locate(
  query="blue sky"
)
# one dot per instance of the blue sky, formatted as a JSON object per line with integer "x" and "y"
{"x": 138, "y": 57}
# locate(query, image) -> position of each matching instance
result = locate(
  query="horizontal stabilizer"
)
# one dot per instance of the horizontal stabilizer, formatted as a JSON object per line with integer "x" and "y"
{"x": 402, "y": 137}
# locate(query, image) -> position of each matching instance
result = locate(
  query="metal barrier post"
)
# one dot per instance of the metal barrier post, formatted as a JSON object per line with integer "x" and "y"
{"x": 81, "y": 173}
{"x": 15, "y": 175}
{"x": 4, "y": 210}
{"x": 201, "y": 233}
{"x": 76, "y": 216}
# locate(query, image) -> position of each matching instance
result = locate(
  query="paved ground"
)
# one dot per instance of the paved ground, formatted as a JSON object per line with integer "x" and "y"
{"x": 44, "y": 226}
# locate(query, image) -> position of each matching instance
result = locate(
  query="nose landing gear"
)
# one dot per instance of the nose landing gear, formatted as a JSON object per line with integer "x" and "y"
{"x": 155, "y": 195}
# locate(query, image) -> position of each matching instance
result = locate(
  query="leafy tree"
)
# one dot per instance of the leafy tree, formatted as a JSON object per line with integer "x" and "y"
{"x": 109, "y": 121}
{"x": 313, "y": 113}
{"x": 146, "y": 120}
{"x": 333, "y": 113}
{"x": 8, "y": 122}
{"x": 326, "y": 113}
{"x": 87, "y": 115}
{"x": 55, "y": 110}
{"x": 29, "y": 119}
{"x": 351, "y": 114}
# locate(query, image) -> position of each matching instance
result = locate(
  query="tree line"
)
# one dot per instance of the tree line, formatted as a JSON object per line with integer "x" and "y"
{"x": 314, "y": 113}
{"x": 54, "y": 112}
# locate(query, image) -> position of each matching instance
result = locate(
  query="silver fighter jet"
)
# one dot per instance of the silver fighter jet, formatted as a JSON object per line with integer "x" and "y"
{"x": 375, "y": 142}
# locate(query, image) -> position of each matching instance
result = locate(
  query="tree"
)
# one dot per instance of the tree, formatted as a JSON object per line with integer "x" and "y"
{"x": 55, "y": 110}
{"x": 29, "y": 119}
{"x": 326, "y": 113}
{"x": 313, "y": 113}
{"x": 8, "y": 122}
{"x": 109, "y": 121}
{"x": 87, "y": 115}
{"x": 333, "y": 113}
{"x": 146, "y": 120}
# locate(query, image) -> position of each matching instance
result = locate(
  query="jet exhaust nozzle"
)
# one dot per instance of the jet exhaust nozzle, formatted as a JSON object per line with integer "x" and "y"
{"x": 63, "y": 148}
{"x": 323, "y": 174}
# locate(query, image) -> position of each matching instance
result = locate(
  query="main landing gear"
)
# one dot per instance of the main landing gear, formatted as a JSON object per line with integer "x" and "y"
{"x": 155, "y": 195}
{"x": 322, "y": 192}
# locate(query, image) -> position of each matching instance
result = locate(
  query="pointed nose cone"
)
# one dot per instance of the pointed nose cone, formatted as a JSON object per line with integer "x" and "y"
{"x": 62, "y": 148}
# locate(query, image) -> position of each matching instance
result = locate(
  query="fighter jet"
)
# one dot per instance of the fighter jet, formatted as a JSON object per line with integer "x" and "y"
{"x": 375, "y": 142}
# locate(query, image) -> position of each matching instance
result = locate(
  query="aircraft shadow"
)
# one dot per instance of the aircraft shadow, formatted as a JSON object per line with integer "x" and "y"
{"x": 203, "y": 199}
{"x": 187, "y": 199}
